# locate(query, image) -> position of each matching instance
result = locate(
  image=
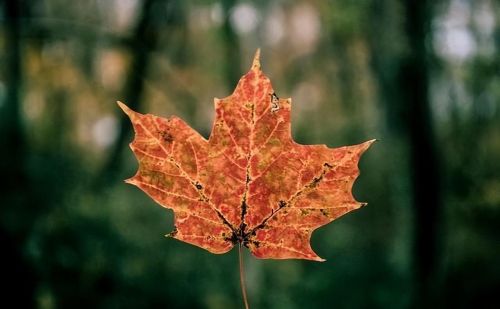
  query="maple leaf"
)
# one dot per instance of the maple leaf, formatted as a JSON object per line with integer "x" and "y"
{"x": 249, "y": 183}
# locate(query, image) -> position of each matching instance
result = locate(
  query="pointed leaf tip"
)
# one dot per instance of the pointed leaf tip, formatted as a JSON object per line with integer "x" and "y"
{"x": 130, "y": 181}
{"x": 122, "y": 105}
{"x": 367, "y": 144}
{"x": 126, "y": 109}
{"x": 256, "y": 60}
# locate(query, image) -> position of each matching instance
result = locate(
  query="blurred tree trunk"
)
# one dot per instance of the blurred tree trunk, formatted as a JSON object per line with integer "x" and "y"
{"x": 143, "y": 41}
{"x": 11, "y": 128}
{"x": 18, "y": 280}
{"x": 402, "y": 73}
{"x": 414, "y": 82}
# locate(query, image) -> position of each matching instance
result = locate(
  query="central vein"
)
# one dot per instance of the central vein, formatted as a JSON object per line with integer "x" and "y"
{"x": 241, "y": 233}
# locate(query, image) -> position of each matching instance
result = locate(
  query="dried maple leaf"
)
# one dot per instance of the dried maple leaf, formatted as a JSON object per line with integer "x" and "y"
{"x": 249, "y": 183}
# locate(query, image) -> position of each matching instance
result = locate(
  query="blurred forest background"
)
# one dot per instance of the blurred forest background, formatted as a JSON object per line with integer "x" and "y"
{"x": 420, "y": 76}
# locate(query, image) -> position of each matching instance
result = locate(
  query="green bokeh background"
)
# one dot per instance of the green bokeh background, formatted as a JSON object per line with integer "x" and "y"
{"x": 420, "y": 76}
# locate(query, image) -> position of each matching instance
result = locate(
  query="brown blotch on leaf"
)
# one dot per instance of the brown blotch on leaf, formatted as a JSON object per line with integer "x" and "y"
{"x": 274, "y": 103}
{"x": 315, "y": 182}
{"x": 166, "y": 136}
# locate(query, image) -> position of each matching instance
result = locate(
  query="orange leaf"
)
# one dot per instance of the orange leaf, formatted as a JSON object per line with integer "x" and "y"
{"x": 249, "y": 183}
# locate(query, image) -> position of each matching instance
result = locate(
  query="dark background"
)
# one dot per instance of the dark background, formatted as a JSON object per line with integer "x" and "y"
{"x": 420, "y": 76}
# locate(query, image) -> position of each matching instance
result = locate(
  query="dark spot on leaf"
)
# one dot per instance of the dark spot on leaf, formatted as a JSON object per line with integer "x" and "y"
{"x": 324, "y": 212}
{"x": 327, "y": 165}
{"x": 282, "y": 204}
{"x": 243, "y": 226}
{"x": 315, "y": 182}
{"x": 166, "y": 136}
{"x": 233, "y": 238}
{"x": 243, "y": 211}
{"x": 274, "y": 103}
{"x": 198, "y": 186}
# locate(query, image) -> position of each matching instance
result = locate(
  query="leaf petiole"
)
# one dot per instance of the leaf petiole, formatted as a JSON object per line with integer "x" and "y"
{"x": 242, "y": 276}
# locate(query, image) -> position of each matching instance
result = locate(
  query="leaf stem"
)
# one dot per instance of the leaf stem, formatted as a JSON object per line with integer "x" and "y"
{"x": 242, "y": 277}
